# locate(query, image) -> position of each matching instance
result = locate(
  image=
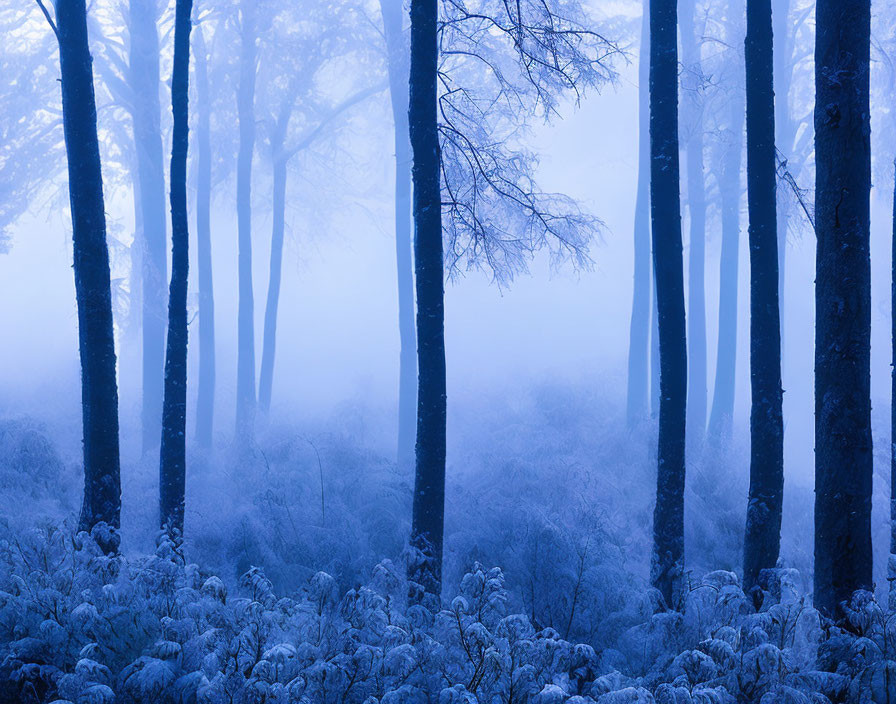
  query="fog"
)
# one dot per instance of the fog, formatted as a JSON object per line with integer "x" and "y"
{"x": 545, "y": 476}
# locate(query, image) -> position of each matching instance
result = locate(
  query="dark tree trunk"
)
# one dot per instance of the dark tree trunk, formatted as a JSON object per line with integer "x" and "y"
{"x": 843, "y": 452}
{"x": 205, "y": 398}
{"x": 266, "y": 378}
{"x": 96, "y": 341}
{"x": 639, "y": 330}
{"x": 692, "y": 79}
{"x": 730, "y": 193}
{"x": 144, "y": 81}
{"x": 245, "y": 373}
{"x": 762, "y": 540}
{"x": 397, "y": 49}
{"x": 173, "y": 460}
{"x": 654, "y": 349}
{"x": 665, "y": 208}
{"x": 429, "y": 478}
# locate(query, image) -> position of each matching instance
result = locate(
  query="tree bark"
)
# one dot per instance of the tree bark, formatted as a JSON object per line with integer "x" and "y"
{"x": 665, "y": 207}
{"x": 692, "y": 79}
{"x": 720, "y": 418}
{"x": 639, "y": 330}
{"x": 205, "y": 398}
{"x": 144, "y": 82}
{"x": 429, "y": 478}
{"x": 245, "y": 381}
{"x": 96, "y": 342}
{"x": 762, "y": 540}
{"x": 173, "y": 456}
{"x": 843, "y": 446}
{"x": 397, "y": 49}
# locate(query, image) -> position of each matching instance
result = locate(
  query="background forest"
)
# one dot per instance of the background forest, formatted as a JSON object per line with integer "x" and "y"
{"x": 229, "y": 472}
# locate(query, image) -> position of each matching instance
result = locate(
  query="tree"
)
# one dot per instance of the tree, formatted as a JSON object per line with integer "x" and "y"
{"x": 843, "y": 446}
{"x": 499, "y": 64}
{"x": 428, "y": 522}
{"x": 397, "y": 67}
{"x": 891, "y": 565}
{"x": 205, "y": 397}
{"x": 173, "y": 455}
{"x": 729, "y": 180}
{"x": 245, "y": 372}
{"x": 665, "y": 208}
{"x": 143, "y": 83}
{"x": 639, "y": 330}
{"x": 692, "y": 83}
{"x": 99, "y": 390}
{"x": 298, "y": 114}
{"x": 762, "y": 539}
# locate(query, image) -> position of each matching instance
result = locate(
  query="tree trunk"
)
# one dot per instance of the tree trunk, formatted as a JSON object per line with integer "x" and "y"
{"x": 173, "y": 460}
{"x": 692, "y": 80}
{"x": 730, "y": 193}
{"x": 268, "y": 349}
{"x": 654, "y": 349}
{"x": 397, "y": 49}
{"x": 96, "y": 341}
{"x": 891, "y": 562}
{"x": 665, "y": 208}
{"x": 429, "y": 478}
{"x": 785, "y": 135}
{"x": 843, "y": 452}
{"x": 245, "y": 373}
{"x": 639, "y": 330}
{"x": 144, "y": 81}
{"x": 205, "y": 398}
{"x": 762, "y": 540}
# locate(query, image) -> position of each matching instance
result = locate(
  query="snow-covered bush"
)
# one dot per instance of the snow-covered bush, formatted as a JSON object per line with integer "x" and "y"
{"x": 79, "y": 626}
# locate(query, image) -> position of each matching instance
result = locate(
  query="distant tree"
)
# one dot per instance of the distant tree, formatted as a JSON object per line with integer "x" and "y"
{"x": 205, "y": 396}
{"x": 245, "y": 373}
{"x": 693, "y": 128}
{"x": 728, "y": 175}
{"x": 99, "y": 389}
{"x": 173, "y": 456}
{"x": 397, "y": 64}
{"x": 143, "y": 81}
{"x": 762, "y": 540}
{"x": 843, "y": 446}
{"x": 667, "y": 567}
{"x": 891, "y": 565}
{"x": 637, "y": 397}
{"x": 299, "y": 111}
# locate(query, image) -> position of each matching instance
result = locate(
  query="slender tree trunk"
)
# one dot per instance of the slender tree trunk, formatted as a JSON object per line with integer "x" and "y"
{"x": 639, "y": 330}
{"x": 173, "y": 460}
{"x": 667, "y": 566}
{"x": 429, "y": 478}
{"x": 205, "y": 398}
{"x": 730, "y": 192}
{"x": 692, "y": 80}
{"x": 245, "y": 375}
{"x": 96, "y": 340}
{"x": 785, "y": 134}
{"x": 397, "y": 49}
{"x": 843, "y": 451}
{"x": 891, "y": 562}
{"x": 762, "y": 540}
{"x": 266, "y": 379}
{"x": 655, "y": 393}
{"x": 144, "y": 81}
